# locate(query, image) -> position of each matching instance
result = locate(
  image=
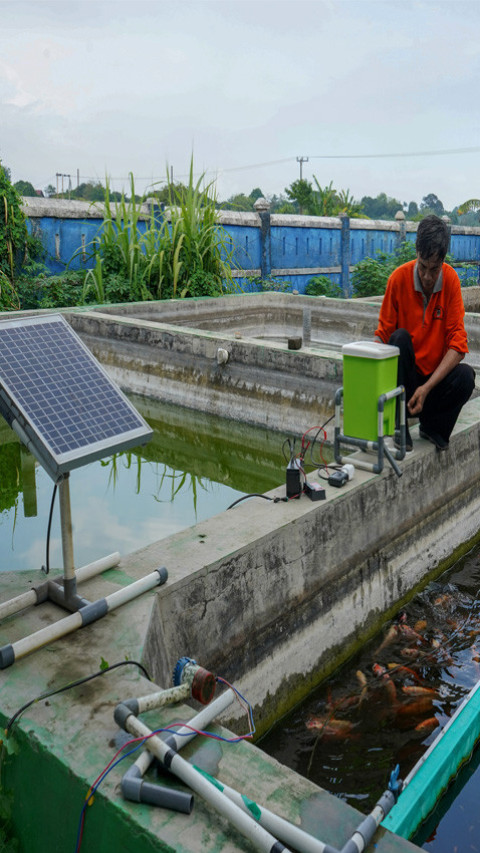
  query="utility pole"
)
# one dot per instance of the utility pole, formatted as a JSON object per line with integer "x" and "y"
{"x": 62, "y": 175}
{"x": 302, "y": 160}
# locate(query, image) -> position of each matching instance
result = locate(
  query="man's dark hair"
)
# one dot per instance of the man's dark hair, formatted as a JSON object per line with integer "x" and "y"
{"x": 432, "y": 238}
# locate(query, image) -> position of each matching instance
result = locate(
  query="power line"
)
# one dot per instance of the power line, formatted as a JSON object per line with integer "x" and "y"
{"x": 221, "y": 171}
{"x": 474, "y": 150}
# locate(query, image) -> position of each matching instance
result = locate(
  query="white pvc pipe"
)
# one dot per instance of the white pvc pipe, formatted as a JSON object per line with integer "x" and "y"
{"x": 28, "y": 599}
{"x": 66, "y": 528}
{"x": 164, "y": 697}
{"x": 74, "y": 621}
{"x": 122, "y": 596}
{"x": 47, "y": 635}
{"x": 278, "y": 826}
{"x": 96, "y": 568}
{"x": 184, "y": 734}
{"x": 260, "y": 838}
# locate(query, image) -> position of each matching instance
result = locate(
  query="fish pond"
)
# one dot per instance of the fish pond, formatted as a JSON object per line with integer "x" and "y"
{"x": 389, "y": 702}
{"x": 194, "y": 467}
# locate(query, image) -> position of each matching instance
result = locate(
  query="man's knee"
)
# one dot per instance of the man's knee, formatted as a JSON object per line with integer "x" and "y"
{"x": 465, "y": 379}
{"x": 400, "y": 338}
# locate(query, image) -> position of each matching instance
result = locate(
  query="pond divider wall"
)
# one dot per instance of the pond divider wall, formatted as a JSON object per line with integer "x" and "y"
{"x": 284, "y": 592}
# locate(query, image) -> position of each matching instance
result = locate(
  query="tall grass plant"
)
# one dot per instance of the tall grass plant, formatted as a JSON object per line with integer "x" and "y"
{"x": 180, "y": 252}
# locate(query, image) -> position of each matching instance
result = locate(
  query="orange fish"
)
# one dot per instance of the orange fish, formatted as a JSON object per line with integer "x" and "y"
{"x": 331, "y": 728}
{"x": 403, "y": 670}
{"x": 410, "y": 634}
{"x": 389, "y": 685}
{"x": 420, "y": 625}
{"x": 427, "y": 725}
{"x": 416, "y": 690}
{"x": 417, "y": 708}
{"x": 390, "y": 637}
{"x": 409, "y": 653}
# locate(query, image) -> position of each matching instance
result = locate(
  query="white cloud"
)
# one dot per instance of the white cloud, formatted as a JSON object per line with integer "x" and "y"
{"x": 118, "y": 86}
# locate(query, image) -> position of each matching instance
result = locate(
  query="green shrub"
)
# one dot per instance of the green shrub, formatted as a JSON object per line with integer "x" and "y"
{"x": 370, "y": 276}
{"x": 184, "y": 253}
{"x": 321, "y": 285}
{"x": 270, "y": 283}
{"x": 51, "y": 291}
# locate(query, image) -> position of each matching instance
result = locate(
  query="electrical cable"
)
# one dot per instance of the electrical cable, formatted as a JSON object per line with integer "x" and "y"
{"x": 139, "y": 741}
{"x": 71, "y": 684}
{"x": 255, "y": 495}
{"x": 46, "y": 567}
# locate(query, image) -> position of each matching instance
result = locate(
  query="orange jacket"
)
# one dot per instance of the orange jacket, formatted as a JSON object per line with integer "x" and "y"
{"x": 436, "y": 327}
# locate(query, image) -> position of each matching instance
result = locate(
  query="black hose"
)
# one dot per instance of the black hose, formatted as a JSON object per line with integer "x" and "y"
{"x": 46, "y": 568}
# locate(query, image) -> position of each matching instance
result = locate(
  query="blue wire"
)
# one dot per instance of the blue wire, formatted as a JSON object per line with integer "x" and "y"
{"x": 179, "y": 734}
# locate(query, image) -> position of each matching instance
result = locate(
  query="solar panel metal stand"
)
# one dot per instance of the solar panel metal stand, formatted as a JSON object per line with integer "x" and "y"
{"x": 68, "y": 412}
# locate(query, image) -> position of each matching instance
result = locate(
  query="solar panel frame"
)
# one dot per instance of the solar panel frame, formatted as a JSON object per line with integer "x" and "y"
{"x": 69, "y": 409}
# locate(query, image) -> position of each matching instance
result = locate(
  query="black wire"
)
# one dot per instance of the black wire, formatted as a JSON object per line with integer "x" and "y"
{"x": 320, "y": 429}
{"x": 74, "y": 684}
{"x": 254, "y": 495}
{"x": 46, "y": 568}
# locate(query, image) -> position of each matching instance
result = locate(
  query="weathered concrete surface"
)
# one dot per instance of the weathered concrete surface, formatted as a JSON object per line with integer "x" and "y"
{"x": 270, "y": 596}
{"x": 169, "y": 350}
{"x": 61, "y": 744}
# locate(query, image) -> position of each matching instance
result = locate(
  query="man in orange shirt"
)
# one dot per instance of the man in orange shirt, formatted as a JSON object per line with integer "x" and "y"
{"x": 422, "y": 314}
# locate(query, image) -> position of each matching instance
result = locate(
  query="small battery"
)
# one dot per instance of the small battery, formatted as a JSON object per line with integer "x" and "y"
{"x": 338, "y": 478}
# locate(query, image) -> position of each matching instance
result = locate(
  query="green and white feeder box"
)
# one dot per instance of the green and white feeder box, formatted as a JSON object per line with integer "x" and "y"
{"x": 369, "y": 370}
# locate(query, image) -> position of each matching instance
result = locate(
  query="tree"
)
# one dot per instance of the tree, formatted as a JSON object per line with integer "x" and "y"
{"x": 412, "y": 210}
{"x": 322, "y": 201}
{"x": 301, "y": 192}
{"x": 381, "y": 207}
{"x": 470, "y": 206}
{"x": 256, "y": 194}
{"x": 25, "y": 188}
{"x": 13, "y": 240}
{"x": 238, "y": 202}
{"x": 432, "y": 203}
{"x": 50, "y": 190}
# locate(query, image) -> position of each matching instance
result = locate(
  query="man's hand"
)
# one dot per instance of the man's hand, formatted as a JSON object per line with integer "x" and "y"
{"x": 416, "y": 401}
{"x": 448, "y": 362}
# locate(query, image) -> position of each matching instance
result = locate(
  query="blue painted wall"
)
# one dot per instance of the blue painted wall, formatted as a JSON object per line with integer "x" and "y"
{"x": 286, "y": 250}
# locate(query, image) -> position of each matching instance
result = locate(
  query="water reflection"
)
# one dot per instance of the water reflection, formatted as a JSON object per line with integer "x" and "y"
{"x": 194, "y": 467}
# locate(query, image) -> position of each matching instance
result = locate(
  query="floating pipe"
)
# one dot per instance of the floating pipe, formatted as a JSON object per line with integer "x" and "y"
{"x": 260, "y": 838}
{"x": 88, "y": 614}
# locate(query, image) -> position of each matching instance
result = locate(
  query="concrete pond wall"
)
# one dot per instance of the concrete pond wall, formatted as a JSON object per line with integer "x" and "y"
{"x": 271, "y": 595}
{"x": 288, "y": 591}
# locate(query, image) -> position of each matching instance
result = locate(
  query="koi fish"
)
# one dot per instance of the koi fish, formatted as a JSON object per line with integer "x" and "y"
{"x": 410, "y": 653}
{"x": 411, "y": 634}
{"x": 397, "y": 667}
{"x": 427, "y": 726}
{"x": 390, "y": 637}
{"x": 420, "y": 625}
{"x": 416, "y": 690}
{"x": 417, "y": 708}
{"x": 331, "y": 727}
{"x": 389, "y": 685}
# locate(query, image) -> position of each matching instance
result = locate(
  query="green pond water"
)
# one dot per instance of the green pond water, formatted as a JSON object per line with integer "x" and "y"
{"x": 194, "y": 467}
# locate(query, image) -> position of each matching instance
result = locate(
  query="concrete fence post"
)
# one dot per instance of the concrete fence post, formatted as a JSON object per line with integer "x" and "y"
{"x": 345, "y": 254}
{"x": 448, "y": 222}
{"x": 262, "y": 207}
{"x": 402, "y": 227}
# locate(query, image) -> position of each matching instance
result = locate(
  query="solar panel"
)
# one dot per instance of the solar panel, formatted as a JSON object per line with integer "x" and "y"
{"x": 59, "y": 399}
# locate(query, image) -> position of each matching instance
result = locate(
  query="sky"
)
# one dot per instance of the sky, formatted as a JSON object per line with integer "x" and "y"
{"x": 379, "y": 95}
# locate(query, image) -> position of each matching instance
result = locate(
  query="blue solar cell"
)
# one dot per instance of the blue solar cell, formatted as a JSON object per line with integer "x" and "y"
{"x": 66, "y": 403}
